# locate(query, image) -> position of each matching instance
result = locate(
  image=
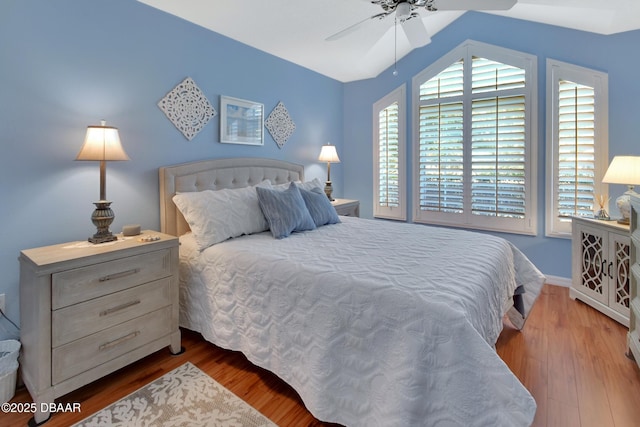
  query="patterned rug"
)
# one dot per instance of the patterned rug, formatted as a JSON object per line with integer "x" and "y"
{"x": 185, "y": 397}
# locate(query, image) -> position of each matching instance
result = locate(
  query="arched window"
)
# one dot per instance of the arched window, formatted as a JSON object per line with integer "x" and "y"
{"x": 474, "y": 143}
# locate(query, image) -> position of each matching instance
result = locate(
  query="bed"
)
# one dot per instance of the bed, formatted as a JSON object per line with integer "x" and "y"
{"x": 372, "y": 322}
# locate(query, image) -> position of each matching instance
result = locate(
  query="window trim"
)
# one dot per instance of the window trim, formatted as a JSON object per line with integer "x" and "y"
{"x": 599, "y": 80}
{"x": 398, "y": 95}
{"x": 466, "y": 51}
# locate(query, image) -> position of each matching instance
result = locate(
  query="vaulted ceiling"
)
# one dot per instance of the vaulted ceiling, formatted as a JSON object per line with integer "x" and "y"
{"x": 297, "y": 30}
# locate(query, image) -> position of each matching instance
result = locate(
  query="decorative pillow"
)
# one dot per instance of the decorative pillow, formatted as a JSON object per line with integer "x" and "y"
{"x": 215, "y": 216}
{"x": 319, "y": 206}
{"x": 285, "y": 211}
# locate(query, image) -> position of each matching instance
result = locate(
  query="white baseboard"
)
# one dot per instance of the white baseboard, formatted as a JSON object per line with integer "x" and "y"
{"x": 558, "y": 281}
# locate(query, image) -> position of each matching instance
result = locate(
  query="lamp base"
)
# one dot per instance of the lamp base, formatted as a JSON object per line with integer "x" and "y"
{"x": 102, "y": 218}
{"x": 624, "y": 205}
{"x": 328, "y": 189}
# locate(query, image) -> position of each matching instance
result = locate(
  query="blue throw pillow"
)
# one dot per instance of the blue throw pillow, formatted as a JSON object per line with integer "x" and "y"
{"x": 319, "y": 206}
{"x": 285, "y": 211}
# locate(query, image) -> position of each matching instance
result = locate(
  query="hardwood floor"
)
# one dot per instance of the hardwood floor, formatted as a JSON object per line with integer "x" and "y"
{"x": 571, "y": 358}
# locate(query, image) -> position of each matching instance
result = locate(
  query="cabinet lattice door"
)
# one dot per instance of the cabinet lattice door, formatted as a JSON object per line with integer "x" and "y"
{"x": 592, "y": 274}
{"x": 619, "y": 273}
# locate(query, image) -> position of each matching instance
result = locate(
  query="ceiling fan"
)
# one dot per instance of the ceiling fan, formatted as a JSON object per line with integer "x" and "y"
{"x": 407, "y": 14}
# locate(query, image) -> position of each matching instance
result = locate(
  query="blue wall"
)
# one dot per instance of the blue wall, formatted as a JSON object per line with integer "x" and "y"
{"x": 616, "y": 55}
{"x": 66, "y": 64}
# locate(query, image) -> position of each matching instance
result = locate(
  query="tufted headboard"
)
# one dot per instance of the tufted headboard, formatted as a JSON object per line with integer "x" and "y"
{"x": 216, "y": 174}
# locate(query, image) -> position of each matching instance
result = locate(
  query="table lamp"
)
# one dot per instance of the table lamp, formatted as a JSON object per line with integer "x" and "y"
{"x": 328, "y": 154}
{"x": 102, "y": 143}
{"x": 624, "y": 170}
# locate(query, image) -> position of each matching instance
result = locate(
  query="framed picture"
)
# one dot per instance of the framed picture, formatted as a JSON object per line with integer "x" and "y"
{"x": 241, "y": 121}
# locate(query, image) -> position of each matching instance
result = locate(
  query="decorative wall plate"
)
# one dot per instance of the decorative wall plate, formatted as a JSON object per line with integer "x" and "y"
{"x": 187, "y": 108}
{"x": 280, "y": 124}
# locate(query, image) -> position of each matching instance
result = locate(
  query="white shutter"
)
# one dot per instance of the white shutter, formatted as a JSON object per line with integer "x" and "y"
{"x": 389, "y": 140}
{"x": 388, "y": 164}
{"x": 576, "y": 150}
{"x": 442, "y": 158}
{"x": 498, "y": 157}
{"x": 441, "y": 146}
{"x": 446, "y": 84}
{"x": 498, "y": 138}
{"x": 488, "y": 75}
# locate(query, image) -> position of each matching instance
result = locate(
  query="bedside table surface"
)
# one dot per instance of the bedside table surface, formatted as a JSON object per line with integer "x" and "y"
{"x": 344, "y": 201}
{"x": 63, "y": 252}
{"x": 610, "y": 223}
{"x": 346, "y": 207}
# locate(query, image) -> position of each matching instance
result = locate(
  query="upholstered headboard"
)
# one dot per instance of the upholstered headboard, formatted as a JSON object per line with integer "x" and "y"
{"x": 216, "y": 174}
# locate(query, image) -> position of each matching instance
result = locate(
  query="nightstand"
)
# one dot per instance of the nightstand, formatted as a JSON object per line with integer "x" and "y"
{"x": 600, "y": 266}
{"x": 87, "y": 310}
{"x": 346, "y": 207}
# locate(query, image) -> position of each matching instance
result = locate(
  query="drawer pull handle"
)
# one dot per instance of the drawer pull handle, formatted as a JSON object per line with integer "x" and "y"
{"x": 119, "y": 275}
{"x": 112, "y": 310}
{"x": 114, "y": 343}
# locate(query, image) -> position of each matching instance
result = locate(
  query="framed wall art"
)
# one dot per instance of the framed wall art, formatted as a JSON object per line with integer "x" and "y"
{"x": 241, "y": 121}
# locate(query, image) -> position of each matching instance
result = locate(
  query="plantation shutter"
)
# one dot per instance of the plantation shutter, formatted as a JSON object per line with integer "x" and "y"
{"x": 576, "y": 150}
{"x": 441, "y": 135}
{"x": 388, "y": 157}
{"x": 498, "y": 140}
{"x": 389, "y": 140}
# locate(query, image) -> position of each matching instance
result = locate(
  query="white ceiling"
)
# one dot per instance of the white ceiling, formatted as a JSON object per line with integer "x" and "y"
{"x": 296, "y": 30}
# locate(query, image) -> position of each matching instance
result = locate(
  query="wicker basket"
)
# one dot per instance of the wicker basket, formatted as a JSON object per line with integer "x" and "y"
{"x": 9, "y": 350}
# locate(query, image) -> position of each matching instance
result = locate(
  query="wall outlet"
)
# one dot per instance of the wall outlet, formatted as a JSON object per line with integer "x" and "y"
{"x": 2, "y": 303}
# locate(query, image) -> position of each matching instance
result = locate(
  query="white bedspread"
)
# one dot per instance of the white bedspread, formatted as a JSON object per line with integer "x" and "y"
{"x": 371, "y": 322}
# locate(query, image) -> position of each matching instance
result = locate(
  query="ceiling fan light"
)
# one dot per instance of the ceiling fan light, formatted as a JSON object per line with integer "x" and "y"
{"x": 403, "y": 11}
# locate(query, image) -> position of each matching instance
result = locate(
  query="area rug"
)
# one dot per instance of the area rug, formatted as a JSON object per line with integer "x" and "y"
{"x": 184, "y": 397}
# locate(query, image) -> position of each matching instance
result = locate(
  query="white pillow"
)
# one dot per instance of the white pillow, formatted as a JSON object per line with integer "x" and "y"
{"x": 309, "y": 185}
{"x": 215, "y": 216}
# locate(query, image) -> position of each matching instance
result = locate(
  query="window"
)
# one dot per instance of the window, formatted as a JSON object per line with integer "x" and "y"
{"x": 389, "y": 120}
{"x": 474, "y": 124}
{"x": 577, "y": 147}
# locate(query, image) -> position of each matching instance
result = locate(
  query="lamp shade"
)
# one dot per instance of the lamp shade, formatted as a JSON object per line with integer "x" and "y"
{"x": 329, "y": 154}
{"x": 623, "y": 170}
{"x": 102, "y": 143}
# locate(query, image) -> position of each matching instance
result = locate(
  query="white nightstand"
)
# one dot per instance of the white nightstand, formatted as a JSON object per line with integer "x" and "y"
{"x": 600, "y": 266}
{"x": 346, "y": 207}
{"x": 87, "y": 310}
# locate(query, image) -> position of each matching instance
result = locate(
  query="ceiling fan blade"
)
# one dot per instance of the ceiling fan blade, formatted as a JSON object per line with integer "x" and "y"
{"x": 416, "y": 32}
{"x": 350, "y": 29}
{"x": 471, "y": 4}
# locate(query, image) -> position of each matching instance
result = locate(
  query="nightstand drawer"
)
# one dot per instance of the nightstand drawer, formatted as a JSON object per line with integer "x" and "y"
{"x": 80, "y": 320}
{"x": 82, "y": 284}
{"x": 86, "y": 353}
